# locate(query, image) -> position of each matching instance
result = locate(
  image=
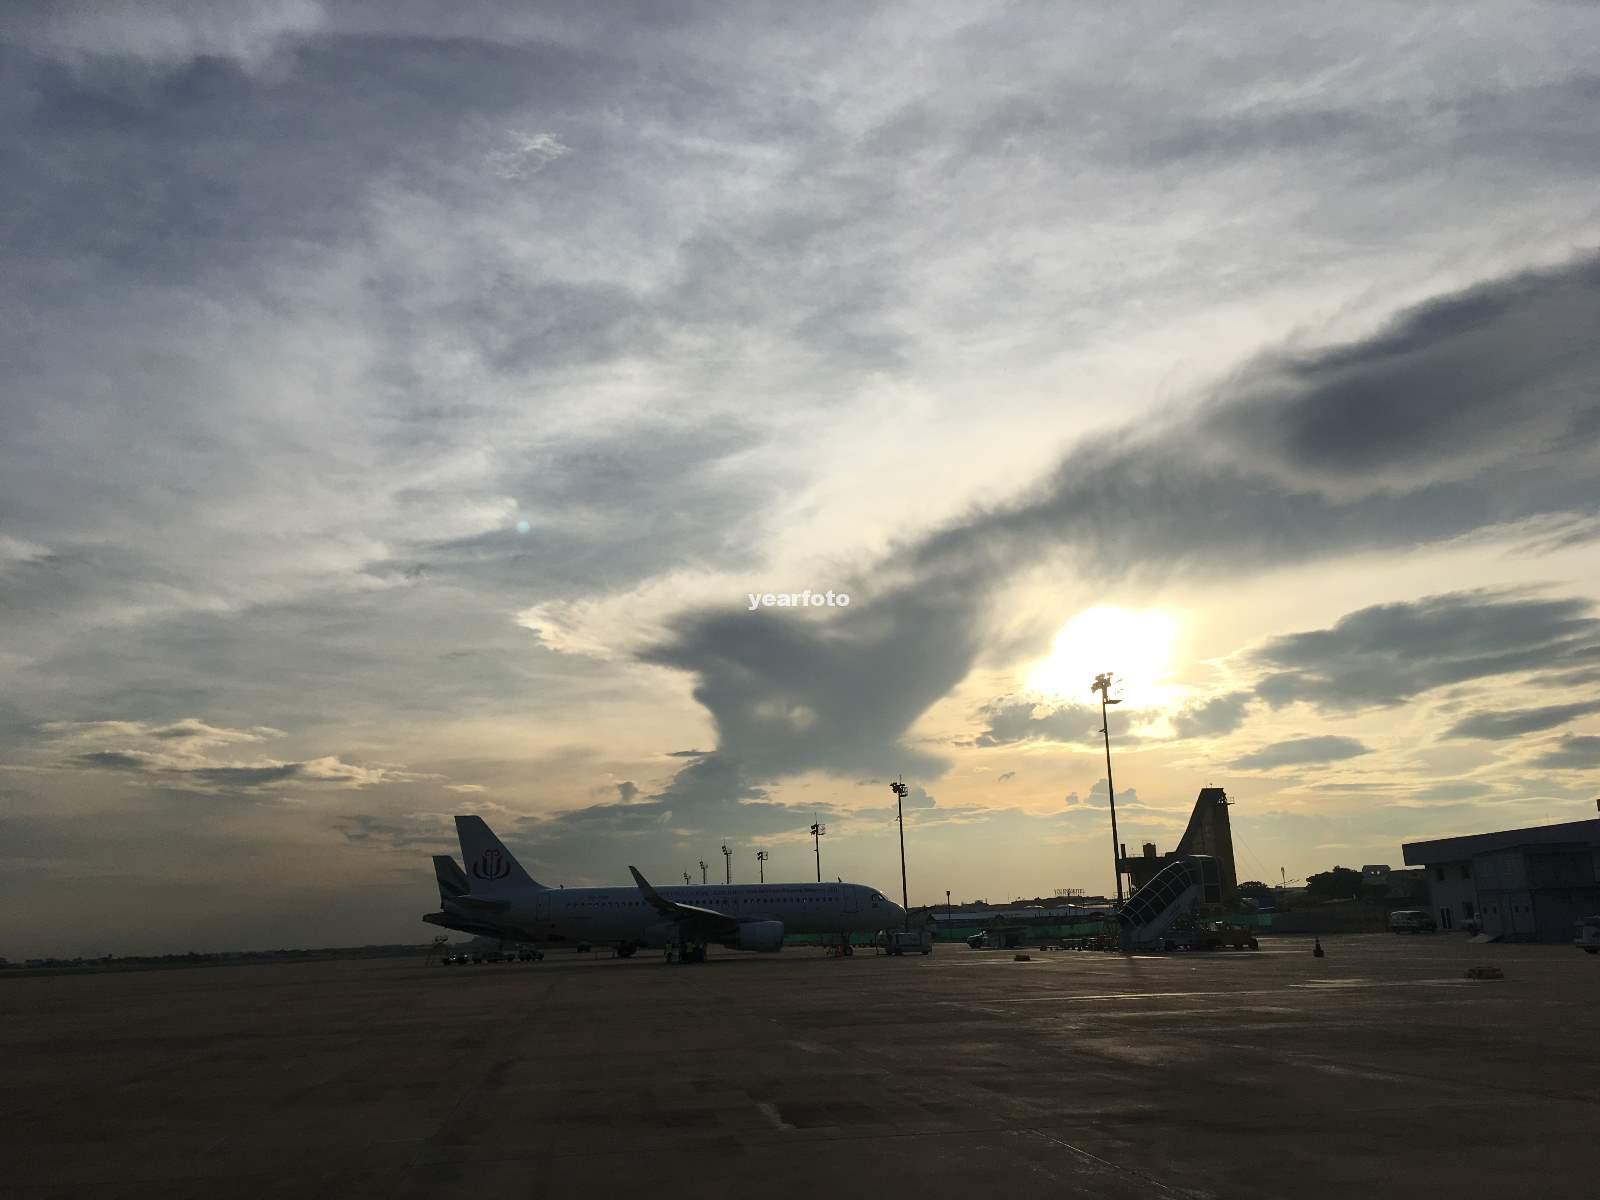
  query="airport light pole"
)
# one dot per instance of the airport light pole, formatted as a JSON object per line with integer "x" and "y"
{"x": 686, "y": 879}
{"x": 900, "y": 790}
{"x": 702, "y": 872}
{"x": 817, "y": 830}
{"x": 761, "y": 864}
{"x": 1102, "y": 684}
{"x": 727, "y": 864}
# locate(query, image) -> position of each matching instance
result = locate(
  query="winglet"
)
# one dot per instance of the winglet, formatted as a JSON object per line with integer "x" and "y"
{"x": 650, "y": 893}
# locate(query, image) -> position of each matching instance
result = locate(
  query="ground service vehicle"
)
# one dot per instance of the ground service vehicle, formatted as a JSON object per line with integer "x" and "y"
{"x": 906, "y": 941}
{"x": 1212, "y": 935}
{"x": 1588, "y": 938}
{"x": 1411, "y": 920}
{"x": 998, "y": 938}
{"x": 1236, "y": 937}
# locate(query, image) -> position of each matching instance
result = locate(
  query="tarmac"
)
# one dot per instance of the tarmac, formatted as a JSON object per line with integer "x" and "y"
{"x": 1376, "y": 1071}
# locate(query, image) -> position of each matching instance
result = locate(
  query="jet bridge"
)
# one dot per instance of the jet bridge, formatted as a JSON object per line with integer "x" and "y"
{"x": 1174, "y": 891}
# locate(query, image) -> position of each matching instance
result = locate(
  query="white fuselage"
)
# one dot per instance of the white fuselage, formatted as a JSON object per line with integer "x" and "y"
{"x": 622, "y": 914}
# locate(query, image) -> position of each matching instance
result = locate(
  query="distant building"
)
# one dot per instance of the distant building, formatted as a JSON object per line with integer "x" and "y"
{"x": 1209, "y": 832}
{"x": 1382, "y": 883}
{"x": 1529, "y": 884}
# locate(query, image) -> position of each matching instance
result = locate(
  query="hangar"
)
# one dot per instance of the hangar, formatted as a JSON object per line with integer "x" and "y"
{"x": 1526, "y": 885}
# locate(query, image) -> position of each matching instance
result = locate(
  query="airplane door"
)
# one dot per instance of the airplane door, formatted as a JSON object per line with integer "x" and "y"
{"x": 852, "y": 900}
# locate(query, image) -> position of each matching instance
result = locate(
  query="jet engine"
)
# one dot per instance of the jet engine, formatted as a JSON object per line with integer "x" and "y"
{"x": 765, "y": 936}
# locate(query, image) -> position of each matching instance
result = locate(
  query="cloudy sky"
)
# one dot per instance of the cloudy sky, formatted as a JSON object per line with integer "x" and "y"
{"x": 398, "y": 408}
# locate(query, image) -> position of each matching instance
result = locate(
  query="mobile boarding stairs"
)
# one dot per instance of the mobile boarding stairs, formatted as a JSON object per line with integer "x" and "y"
{"x": 1174, "y": 891}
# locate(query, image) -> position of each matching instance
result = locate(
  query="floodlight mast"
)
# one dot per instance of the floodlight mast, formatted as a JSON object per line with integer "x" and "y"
{"x": 761, "y": 864}
{"x": 817, "y": 830}
{"x": 900, "y": 791}
{"x": 727, "y": 864}
{"x": 1102, "y": 684}
{"x": 702, "y": 872}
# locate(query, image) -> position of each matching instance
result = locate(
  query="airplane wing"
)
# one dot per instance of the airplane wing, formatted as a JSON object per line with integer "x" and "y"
{"x": 707, "y": 919}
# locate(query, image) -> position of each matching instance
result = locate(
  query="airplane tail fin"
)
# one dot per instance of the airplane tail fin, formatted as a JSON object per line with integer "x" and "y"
{"x": 490, "y": 866}
{"x": 451, "y": 878}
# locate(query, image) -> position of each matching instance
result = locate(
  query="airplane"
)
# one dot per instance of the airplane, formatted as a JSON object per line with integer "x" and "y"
{"x": 496, "y": 894}
{"x": 454, "y": 886}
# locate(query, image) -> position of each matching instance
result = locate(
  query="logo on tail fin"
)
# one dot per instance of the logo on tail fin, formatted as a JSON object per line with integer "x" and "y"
{"x": 491, "y": 864}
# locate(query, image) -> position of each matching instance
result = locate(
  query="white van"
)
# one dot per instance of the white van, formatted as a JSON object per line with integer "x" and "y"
{"x": 1588, "y": 938}
{"x": 906, "y": 941}
{"x": 1411, "y": 920}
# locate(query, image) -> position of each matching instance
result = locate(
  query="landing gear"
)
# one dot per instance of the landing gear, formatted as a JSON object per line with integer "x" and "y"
{"x": 626, "y": 949}
{"x": 842, "y": 947}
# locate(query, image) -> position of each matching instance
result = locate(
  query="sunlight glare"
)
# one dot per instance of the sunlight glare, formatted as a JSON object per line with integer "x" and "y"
{"x": 1136, "y": 647}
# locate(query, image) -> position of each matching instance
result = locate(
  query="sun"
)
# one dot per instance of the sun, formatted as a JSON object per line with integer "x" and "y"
{"x": 1136, "y": 647}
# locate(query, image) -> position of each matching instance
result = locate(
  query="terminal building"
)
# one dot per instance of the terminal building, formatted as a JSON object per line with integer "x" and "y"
{"x": 1528, "y": 885}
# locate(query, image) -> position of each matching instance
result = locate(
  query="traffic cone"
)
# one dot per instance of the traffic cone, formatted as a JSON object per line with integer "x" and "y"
{"x": 1316, "y": 947}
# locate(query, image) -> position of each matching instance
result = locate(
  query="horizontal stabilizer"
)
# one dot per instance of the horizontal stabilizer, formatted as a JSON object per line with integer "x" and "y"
{"x": 486, "y": 904}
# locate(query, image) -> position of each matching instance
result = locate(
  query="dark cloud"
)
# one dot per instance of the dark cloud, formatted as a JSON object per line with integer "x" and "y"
{"x": 193, "y": 764}
{"x": 411, "y": 831}
{"x": 1215, "y": 717}
{"x": 627, "y": 790}
{"x": 1447, "y": 789}
{"x": 1009, "y": 722}
{"x": 1472, "y": 377}
{"x": 1389, "y": 653}
{"x": 1519, "y": 722}
{"x": 1099, "y": 797}
{"x": 1575, "y": 752}
{"x": 115, "y": 760}
{"x": 193, "y": 729}
{"x": 791, "y": 692}
{"x": 1367, "y": 445}
{"x": 1570, "y": 679}
{"x": 247, "y": 776}
{"x": 1300, "y": 752}
{"x": 711, "y": 794}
